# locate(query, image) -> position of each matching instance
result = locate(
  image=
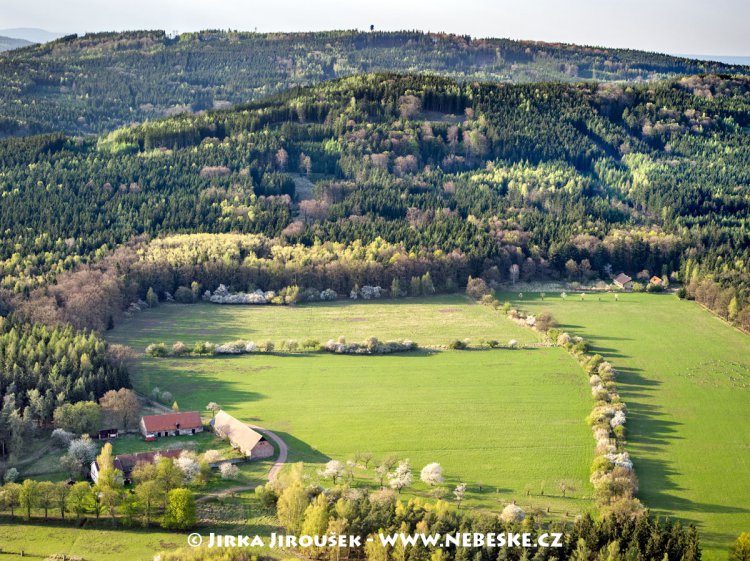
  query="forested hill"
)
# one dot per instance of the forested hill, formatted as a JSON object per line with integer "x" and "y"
{"x": 8, "y": 43}
{"x": 548, "y": 180}
{"x": 98, "y": 82}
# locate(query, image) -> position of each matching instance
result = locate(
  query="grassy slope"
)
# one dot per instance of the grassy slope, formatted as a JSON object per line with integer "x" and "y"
{"x": 103, "y": 543}
{"x": 428, "y": 321}
{"x": 685, "y": 376}
{"x": 478, "y": 412}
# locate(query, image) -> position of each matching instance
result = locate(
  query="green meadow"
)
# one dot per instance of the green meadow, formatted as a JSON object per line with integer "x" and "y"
{"x": 428, "y": 321}
{"x": 685, "y": 376}
{"x": 99, "y": 541}
{"x": 506, "y": 422}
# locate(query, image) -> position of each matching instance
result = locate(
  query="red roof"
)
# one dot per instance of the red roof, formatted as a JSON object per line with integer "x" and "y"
{"x": 172, "y": 421}
{"x": 126, "y": 462}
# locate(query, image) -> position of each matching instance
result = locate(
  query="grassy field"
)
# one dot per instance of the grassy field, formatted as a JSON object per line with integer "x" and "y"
{"x": 428, "y": 321}
{"x": 498, "y": 420}
{"x": 101, "y": 542}
{"x": 685, "y": 376}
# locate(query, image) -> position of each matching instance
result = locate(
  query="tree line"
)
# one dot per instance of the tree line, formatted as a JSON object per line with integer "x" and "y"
{"x": 45, "y": 369}
{"x": 43, "y": 89}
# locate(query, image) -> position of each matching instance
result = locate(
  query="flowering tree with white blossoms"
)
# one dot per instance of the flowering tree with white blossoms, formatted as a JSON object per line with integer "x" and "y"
{"x": 333, "y": 470}
{"x": 401, "y": 477}
{"x": 229, "y": 471}
{"x": 512, "y": 513}
{"x": 432, "y": 474}
{"x": 189, "y": 466}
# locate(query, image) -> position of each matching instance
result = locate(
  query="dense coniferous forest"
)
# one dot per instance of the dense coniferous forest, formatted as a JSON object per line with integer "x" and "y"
{"x": 97, "y": 82}
{"x": 535, "y": 181}
{"x": 42, "y": 368}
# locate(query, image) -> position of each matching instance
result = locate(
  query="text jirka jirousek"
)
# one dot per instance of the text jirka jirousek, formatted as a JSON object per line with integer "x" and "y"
{"x": 465, "y": 539}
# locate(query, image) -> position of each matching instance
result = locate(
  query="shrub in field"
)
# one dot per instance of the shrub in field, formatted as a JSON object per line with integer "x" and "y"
{"x": 328, "y": 295}
{"x": 368, "y": 292}
{"x": 291, "y": 345}
{"x": 161, "y": 396}
{"x": 580, "y": 347}
{"x": 458, "y": 345}
{"x": 222, "y": 296}
{"x": 62, "y": 438}
{"x": 204, "y": 348}
{"x": 184, "y": 295}
{"x": 11, "y": 475}
{"x": 618, "y": 419}
{"x": 512, "y": 513}
{"x": 266, "y": 347}
{"x": 309, "y": 295}
{"x": 311, "y": 344}
{"x": 371, "y": 346}
{"x": 231, "y": 348}
{"x": 157, "y": 350}
{"x": 229, "y": 471}
{"x": 545, "y": 321}
{"x": 211, "y": 456}
{"x": 476, "y": 288}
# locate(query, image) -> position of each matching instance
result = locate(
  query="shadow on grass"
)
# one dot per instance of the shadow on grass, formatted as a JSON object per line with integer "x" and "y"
{"x": 192, "y": 389}
{"x": 300, "y": 451}
{"x": 657, "y": 493}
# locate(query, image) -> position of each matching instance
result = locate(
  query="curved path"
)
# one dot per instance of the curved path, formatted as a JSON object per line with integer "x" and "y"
{"x": 272, "y": 473}
{"x": 283, "y": 451}
{"x": 275, "y": 468}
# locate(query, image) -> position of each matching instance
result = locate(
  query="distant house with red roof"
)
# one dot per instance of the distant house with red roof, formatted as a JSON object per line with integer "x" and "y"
{"x": 656, "y": 281}
{"x": 171, "y": 424}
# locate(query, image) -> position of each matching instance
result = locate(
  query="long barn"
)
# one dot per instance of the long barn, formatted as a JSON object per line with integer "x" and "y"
{"x": 250, "y": 442}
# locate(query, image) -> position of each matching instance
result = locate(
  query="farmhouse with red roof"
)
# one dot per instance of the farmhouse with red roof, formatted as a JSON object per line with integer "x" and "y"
{"x": 171, "y": 424}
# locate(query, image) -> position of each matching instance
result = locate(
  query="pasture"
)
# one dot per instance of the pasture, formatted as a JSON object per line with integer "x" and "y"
{"x": 685, "y": 376}
{"x": 428, "y": 321}
{"x": 505, "y": 422}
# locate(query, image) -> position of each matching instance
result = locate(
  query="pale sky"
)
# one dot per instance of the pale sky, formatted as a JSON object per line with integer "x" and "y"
{"x": 715, "y": 27}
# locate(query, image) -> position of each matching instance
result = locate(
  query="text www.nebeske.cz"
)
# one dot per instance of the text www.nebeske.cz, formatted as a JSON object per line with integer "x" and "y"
{"x": 466, "y": 539}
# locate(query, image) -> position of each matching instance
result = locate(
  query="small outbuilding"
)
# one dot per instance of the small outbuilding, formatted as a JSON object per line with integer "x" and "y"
{"x": 656, "y": 281}
{"x": 245, "y": 439}
{"x": 108, "y": 434}
{"x": 171, "y": 424}
{"x": 126, "y": 463}
{"x": 623, "y": 281}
